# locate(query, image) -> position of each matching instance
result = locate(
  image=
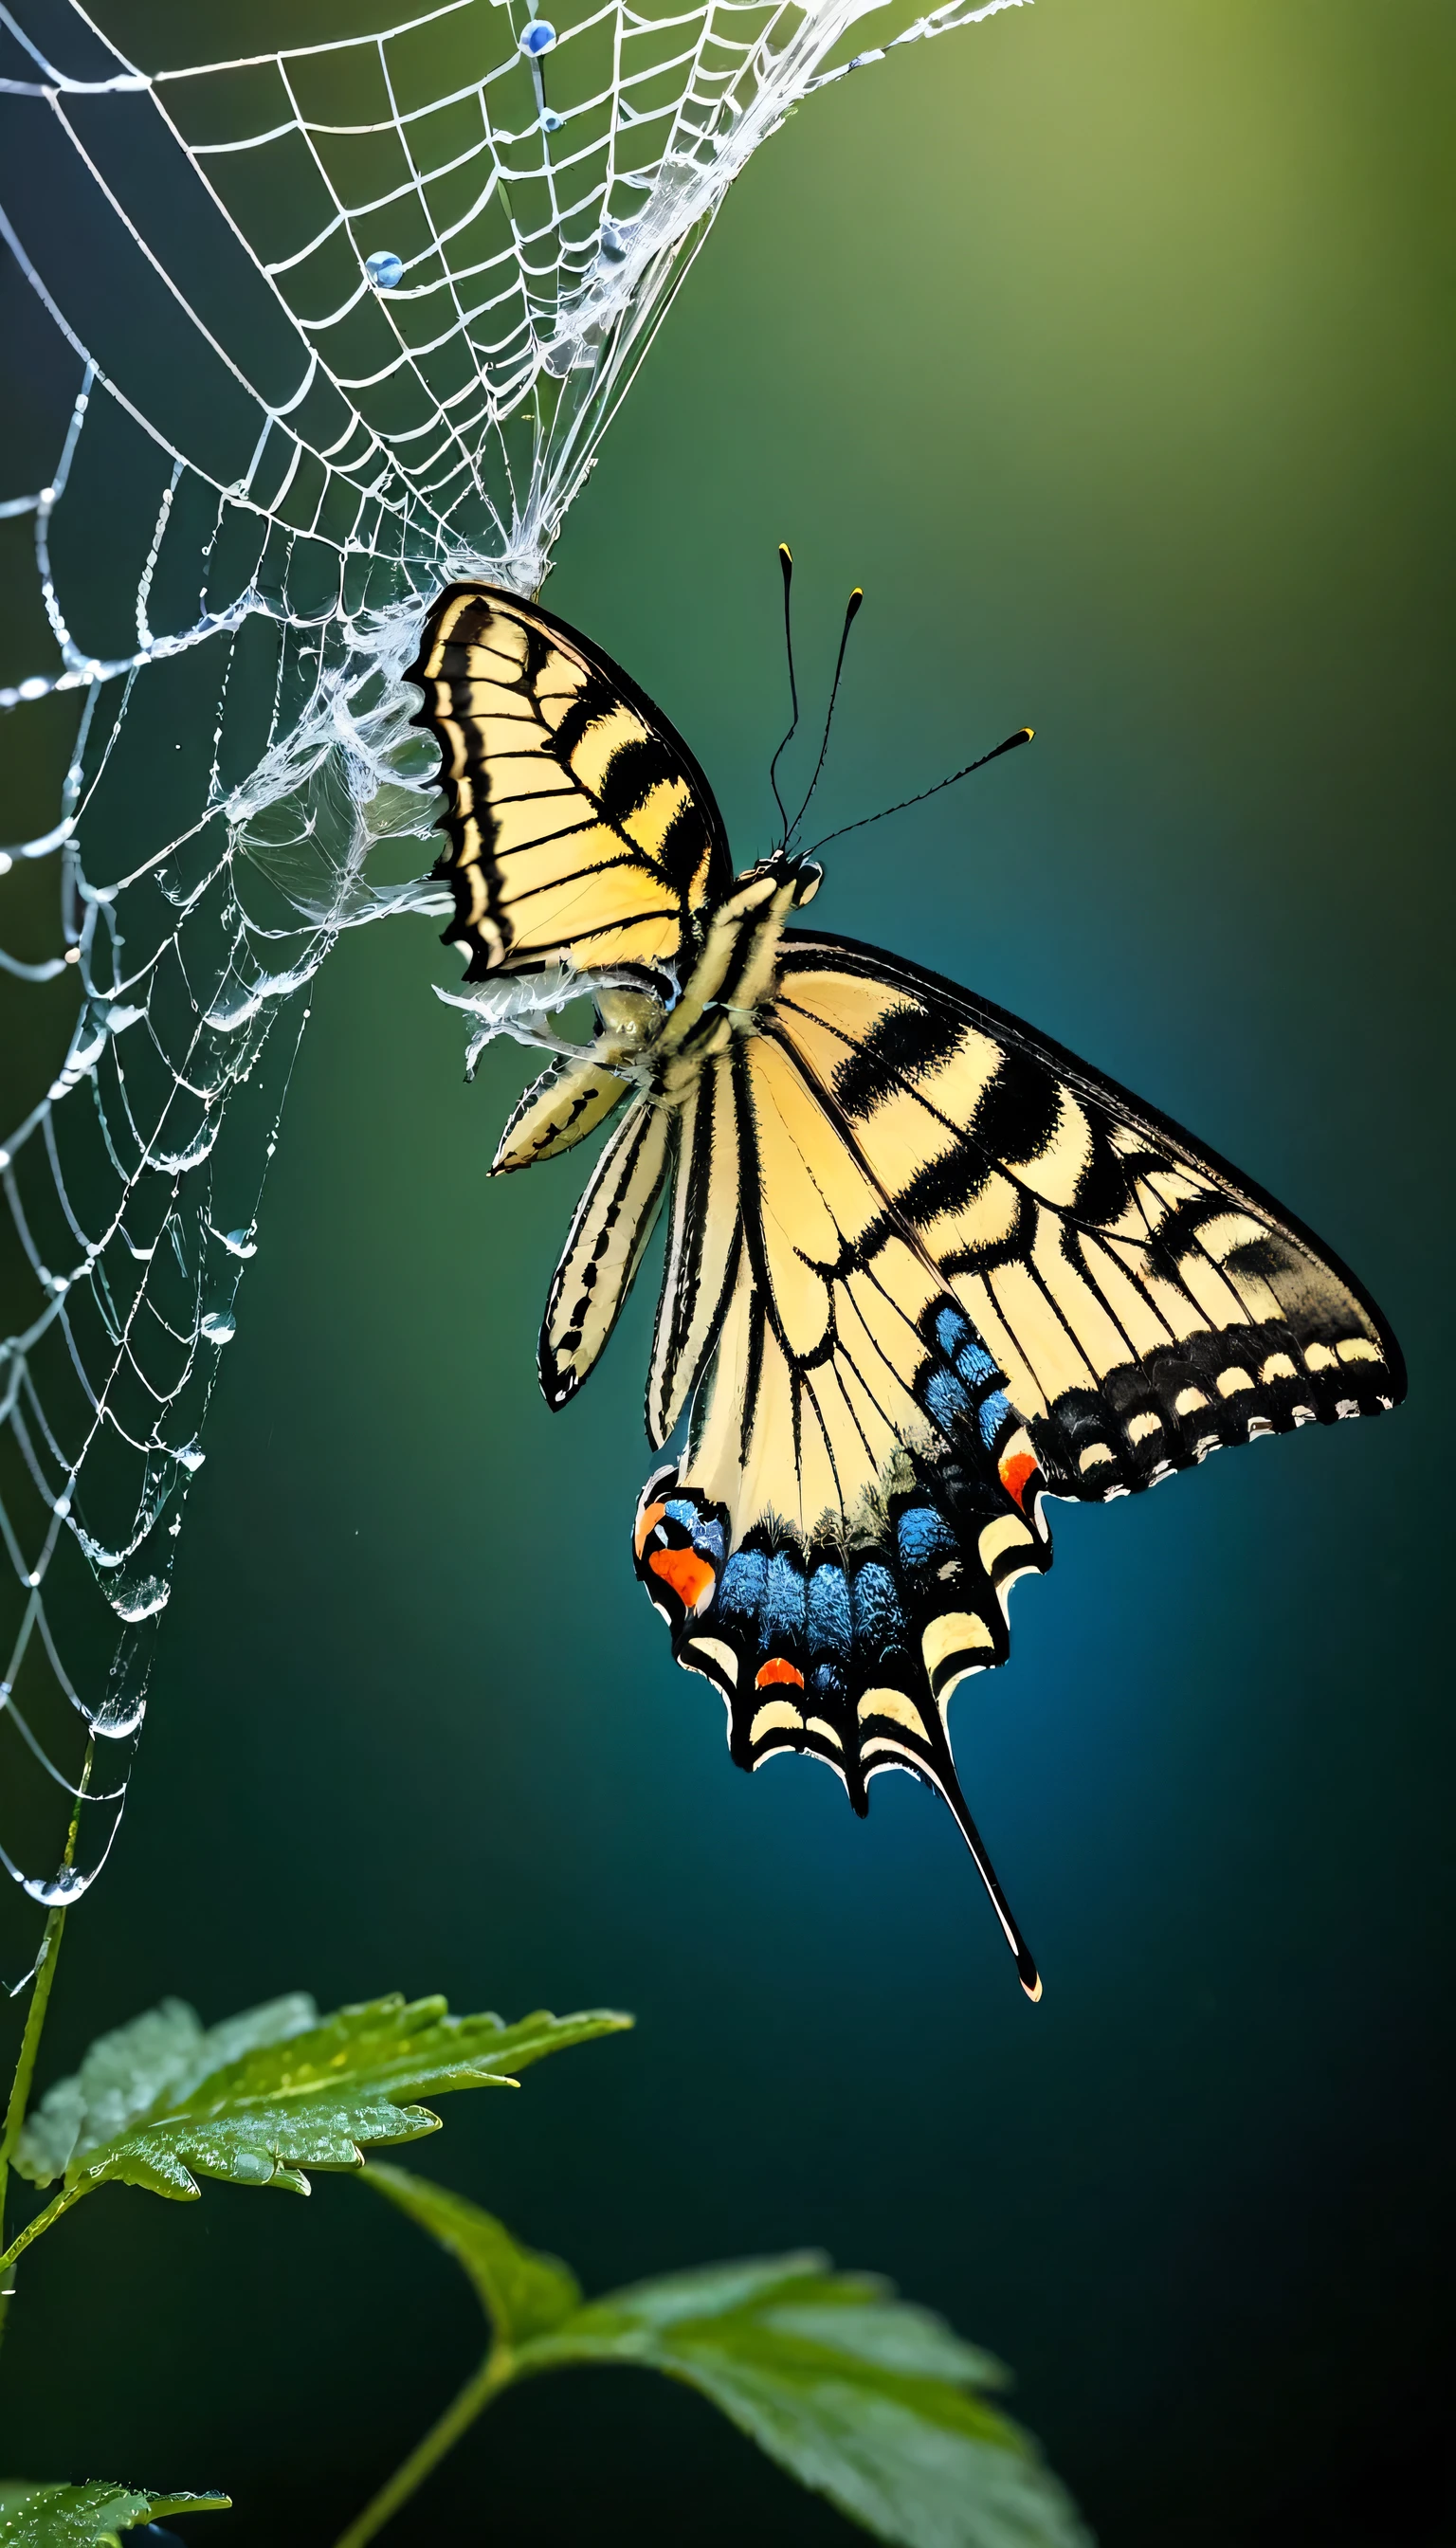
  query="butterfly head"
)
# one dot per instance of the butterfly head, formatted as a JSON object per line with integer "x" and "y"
{"x": 805, "y": 875}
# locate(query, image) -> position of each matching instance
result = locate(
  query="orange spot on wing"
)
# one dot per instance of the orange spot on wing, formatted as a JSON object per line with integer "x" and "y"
{"x": 647, "y": 1523}
{"x": 1015, "y": 1472}
{"x": 689, "y": 1574}
{"x": 777, "y": 1669}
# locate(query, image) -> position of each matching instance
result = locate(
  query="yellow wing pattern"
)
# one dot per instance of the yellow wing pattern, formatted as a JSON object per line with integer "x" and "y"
{"x": 936, "y": 1271}
{"x": 1142, "y": 1301}
{"x": 581, "y": 829}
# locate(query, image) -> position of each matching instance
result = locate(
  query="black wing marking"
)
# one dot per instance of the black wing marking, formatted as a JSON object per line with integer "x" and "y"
{"x": 964, "y": 1271}
{"x": 582, "y": 828}
{"x": 1144, "y": 1301}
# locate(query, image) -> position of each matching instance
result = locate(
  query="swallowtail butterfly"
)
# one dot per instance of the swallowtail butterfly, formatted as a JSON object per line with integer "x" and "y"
{"x": 924, "y": 1269}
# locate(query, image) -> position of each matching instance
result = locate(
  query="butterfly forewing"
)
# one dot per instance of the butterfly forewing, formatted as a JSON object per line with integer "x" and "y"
{"x": 1142, "y": 1302}
{"x": 581, "y": 828}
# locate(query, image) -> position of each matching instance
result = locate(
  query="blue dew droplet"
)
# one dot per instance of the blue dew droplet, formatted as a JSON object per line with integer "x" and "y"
{"x": 537, "y": 38}
{"x": 551, "y": 123}
{"x": 383, "y": 269}
{"x": 613, "y": 245}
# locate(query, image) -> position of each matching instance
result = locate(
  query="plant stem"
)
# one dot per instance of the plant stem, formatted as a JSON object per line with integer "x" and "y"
{"x": 43, "y": 2221}
{"x": 494, "y": 2374}
{"x": 30, "y": 2046}
{"x": 30, "y": 2043}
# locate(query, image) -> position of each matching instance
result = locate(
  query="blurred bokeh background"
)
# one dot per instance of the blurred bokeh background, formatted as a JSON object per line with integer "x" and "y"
{"x": 1107, "y": 347}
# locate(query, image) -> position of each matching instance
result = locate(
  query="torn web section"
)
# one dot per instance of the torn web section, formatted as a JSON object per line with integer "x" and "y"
{"x": 292, "y": 340}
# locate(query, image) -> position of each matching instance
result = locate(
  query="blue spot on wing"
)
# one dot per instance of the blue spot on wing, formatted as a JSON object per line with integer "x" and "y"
{"x": 741, "y": 1591}
{"x": 828, "y": 1612}
{"x": 960, "y": 1343}
{"x": 705, "y": 1533}
{"x": 973, "y": 1362}
{"x": 878, "y": 1618}
{"x": 950, "y": 1332}
{"x": 946, "y": 1401}
{"x": 784, "y": 1602}
{"x": 994, "y": 1411}
{"x": 923, "y": 1537}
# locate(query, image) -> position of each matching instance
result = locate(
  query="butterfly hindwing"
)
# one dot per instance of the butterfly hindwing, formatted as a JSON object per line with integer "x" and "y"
{"x": 966, "y": 1273}
{"x": 836, "y": 1546}
{"x": 612, "y": 1225}
{"x": 582, "y": 830}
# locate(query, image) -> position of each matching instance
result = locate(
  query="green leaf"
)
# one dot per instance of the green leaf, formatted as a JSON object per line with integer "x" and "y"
{"x": 86, "y": 2516}
{"x": 260, "y": 2097}
{"x": 523, "y": 2294}
{"x": 166, "y": 2052}
{"x": 862, "y": 2395}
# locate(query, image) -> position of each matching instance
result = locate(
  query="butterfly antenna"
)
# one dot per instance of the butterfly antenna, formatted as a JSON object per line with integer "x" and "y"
{"x": 1023, "y": 734}
{"x": 851, "y": 612}
{"x": 1026, "y": 1962}
{"x": 785, "y": 561}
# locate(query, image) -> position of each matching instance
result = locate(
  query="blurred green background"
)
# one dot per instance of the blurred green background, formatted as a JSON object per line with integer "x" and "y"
{"x": 1108, "y": 347}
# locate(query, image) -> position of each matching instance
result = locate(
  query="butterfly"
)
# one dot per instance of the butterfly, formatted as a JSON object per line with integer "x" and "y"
{"x": 924, "y": 1269}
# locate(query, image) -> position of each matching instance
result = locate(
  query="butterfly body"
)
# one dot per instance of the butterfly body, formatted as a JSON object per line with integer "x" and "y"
{"x": 923, "y": 1269}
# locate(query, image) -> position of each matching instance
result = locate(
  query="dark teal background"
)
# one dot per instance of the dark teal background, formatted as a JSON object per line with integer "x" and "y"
{"x": 1108, "y": 347}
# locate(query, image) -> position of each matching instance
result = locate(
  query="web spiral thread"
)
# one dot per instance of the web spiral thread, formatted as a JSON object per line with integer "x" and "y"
{"x": 293, "y": 339}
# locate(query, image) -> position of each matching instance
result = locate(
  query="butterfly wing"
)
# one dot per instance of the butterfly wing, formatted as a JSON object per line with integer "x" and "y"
{"x": 925, "y": 1270}
{"x": 581, "y": 829}
{"x": 1144, "y": 1302}
{"x": 835, "y": 1548}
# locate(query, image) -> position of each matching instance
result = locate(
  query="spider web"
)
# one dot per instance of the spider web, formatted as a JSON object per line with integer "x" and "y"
{"x": 295, "y": 340}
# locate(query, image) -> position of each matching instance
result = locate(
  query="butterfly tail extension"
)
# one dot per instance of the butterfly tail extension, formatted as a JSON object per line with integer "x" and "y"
{"x": 1026, "y": 1962}
{"x": 850, "y": 1646}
